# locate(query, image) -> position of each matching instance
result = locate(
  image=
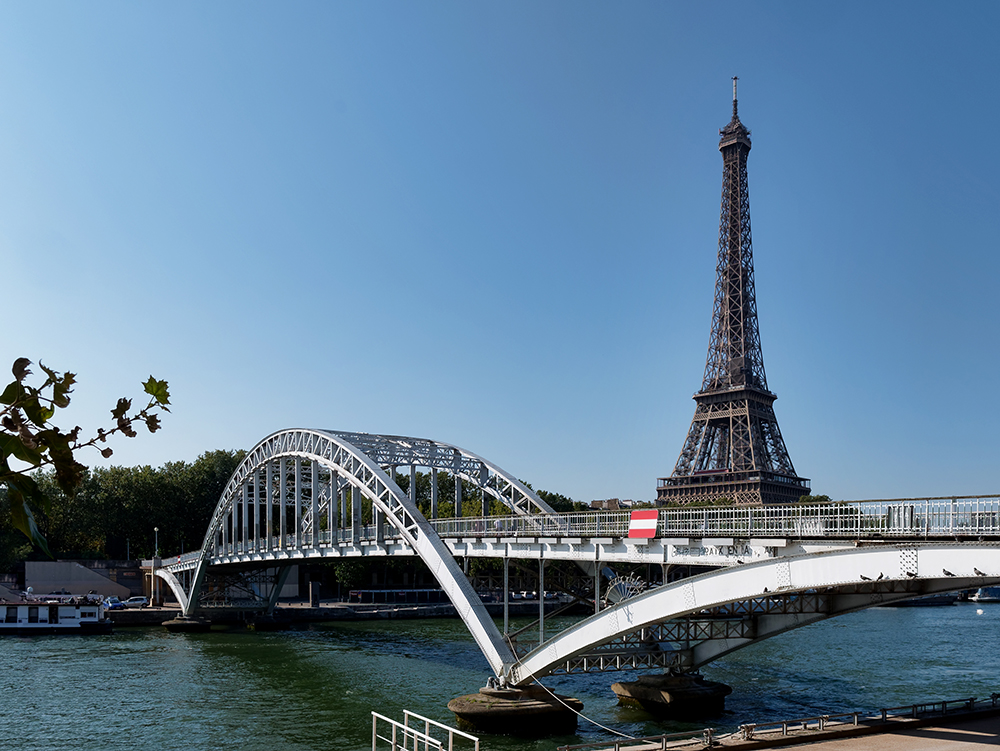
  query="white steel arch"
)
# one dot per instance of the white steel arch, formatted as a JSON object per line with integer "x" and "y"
{"x": 354, "y": 461}
{"x": 857, "y": 574}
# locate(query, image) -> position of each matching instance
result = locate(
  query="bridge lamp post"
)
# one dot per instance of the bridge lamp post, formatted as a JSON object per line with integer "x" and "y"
{"x": 156, "y": 553}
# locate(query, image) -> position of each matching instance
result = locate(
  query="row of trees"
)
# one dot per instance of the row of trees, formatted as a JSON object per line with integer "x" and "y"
{"x": 114, "y": 510}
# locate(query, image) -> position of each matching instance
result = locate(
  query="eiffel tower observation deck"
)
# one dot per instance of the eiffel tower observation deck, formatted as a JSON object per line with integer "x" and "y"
{"x": 734, "y": 451}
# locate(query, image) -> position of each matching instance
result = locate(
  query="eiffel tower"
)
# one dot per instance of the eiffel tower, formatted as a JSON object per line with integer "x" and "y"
{"x": 734, "y": 450}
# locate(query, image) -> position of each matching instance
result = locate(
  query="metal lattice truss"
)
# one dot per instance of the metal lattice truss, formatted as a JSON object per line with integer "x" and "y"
{"x": 688, "y": 623}
{"x": 280, "y": 500}
{"x": 734, "y": 430}
{"x": 256, "y": 589}
{"x": 734, "y": 353}
{"x": 396, "y": 451}
{"x": 671, "y": 645}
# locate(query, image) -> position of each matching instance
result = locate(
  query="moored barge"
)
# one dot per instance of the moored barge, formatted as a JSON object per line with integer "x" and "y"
{"x": 54, "y": 614}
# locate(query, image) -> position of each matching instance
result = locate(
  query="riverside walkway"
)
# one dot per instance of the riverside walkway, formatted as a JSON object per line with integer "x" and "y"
{"x": 969, "y": 725}
{"x": 963, "y": 735}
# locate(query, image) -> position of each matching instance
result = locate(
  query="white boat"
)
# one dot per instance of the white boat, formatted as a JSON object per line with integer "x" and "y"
{"x": 54, "y": 614}
{"x": 986, "y": 594}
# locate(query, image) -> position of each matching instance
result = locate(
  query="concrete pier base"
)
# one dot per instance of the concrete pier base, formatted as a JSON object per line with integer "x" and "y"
{"x": 672, "y": 695}
{"x": 186, "y": 624}
{"x": 530, "y": 711}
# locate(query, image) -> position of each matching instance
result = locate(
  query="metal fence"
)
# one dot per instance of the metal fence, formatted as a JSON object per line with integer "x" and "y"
{"x": 753, "y": 731}
{"x": 649, "y": 743}
{"x": 417, "y": 733}
{"x": 905, "y": 518}
{"x": 909, "y": 518}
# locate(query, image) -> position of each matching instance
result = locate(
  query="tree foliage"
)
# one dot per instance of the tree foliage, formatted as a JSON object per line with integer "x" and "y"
{"x": 814, "y": 500}
{"x": 472, "y": 496}
{"x": 30, "y": 440}
{"x": 114, "y": 510}
{"x": 560, "y": 502}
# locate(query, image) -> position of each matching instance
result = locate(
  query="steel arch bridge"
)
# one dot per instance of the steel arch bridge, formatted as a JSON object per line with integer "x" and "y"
{"x": 292, "y": 468}
{"x": 300, "y": 494}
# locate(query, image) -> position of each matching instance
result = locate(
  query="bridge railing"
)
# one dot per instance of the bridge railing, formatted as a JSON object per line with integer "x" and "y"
{"x": 901, "y": 518}
{"x": 920, "y": 517}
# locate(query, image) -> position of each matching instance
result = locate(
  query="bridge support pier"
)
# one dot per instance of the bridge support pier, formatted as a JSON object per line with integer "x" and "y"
{"x": 667, "y": 695}
{"x": 528, "y": 711}
{"x": 187, "y": 625}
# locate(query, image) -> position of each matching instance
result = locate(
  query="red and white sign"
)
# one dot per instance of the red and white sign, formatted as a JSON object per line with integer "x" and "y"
{"x": 643, "y": 523}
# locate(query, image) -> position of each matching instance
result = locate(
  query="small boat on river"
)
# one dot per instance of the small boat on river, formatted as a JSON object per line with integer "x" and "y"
{"x": 54, "y": 614}
{"x": 986, "y": 594}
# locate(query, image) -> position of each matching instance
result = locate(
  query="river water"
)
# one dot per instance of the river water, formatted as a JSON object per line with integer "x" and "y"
{"x": 314, "y": 688}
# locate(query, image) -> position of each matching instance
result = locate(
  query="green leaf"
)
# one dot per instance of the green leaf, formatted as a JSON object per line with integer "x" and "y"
{"x": 158, "y": 390}
{"x": 34, "y": 410}
{"x": 24, "y": 520}
{"x": 12, "y": 393}
{"x": 11, "y": 445}
{"x": 20, "y": 369}
{"x": 62, "y": 387}
{"x": 69, "y": 472}
{"x": 53, "y": 375}
{"x": 121, "y": 409}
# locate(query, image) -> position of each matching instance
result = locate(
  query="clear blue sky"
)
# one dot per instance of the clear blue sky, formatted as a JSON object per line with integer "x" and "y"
{"x": 495, "y": 225}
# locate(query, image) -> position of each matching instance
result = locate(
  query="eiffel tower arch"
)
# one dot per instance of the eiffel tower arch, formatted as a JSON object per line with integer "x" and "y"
{"x": 734, "y": 449}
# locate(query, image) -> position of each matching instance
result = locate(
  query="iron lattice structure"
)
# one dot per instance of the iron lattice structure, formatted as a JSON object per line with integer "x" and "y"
{"x": 734, "y": 449}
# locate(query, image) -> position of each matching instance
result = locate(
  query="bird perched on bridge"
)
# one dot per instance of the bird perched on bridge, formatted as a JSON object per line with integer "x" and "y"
{"x": 978, "y": 572}
{"x": 865, "y": 578}
{"x": 910, "y": 574}
{"x": 880, "y": 577}
{"x": 946, "y": 572}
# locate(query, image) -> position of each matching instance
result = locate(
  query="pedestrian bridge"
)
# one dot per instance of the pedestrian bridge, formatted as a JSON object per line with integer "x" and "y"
{"x": 303, "y": 495}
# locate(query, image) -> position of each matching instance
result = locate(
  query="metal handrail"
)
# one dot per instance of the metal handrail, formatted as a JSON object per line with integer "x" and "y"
{"x": 402, "y": 737}
{"x": 905, "y": 518}
{"x": 428, "y": 724}
{"x": 707, "y": 736}
{"x": 915, "y": 710}
{"x": 822, "y": 722}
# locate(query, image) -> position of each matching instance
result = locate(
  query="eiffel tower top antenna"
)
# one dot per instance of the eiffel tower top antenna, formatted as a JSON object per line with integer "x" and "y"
{"x": 735, "y": 79}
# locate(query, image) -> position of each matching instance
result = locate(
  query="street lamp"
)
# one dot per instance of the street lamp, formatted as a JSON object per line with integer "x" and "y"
{"x": 156, "y": 553}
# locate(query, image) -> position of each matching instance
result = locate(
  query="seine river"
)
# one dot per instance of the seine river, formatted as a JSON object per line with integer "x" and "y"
{"x": 314, "y": 688}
